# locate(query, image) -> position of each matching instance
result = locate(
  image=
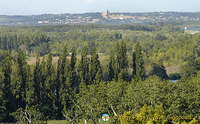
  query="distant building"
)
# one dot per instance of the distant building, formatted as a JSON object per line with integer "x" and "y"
{"x": 185, "y": 28}
{"x": 105, "y": 14}
{"x": 43, "y": 22}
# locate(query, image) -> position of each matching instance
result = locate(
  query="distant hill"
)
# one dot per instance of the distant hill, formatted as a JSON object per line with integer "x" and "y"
{"x": 101, "y": 18}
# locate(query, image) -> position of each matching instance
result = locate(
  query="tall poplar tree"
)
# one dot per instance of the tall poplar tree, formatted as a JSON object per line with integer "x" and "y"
{"x": 60, "y": 79}
{"x": 6, "y": 87}
{"x": 139, "y": 63}
{"x": 3, "y": 110}
{"x": 73, "y": 59}
{"x": 122, "y": 61}
{"x": 66, "y": 91}
{"x": 20, "y": 79}
{"x": 112, "y": 66}
{"x": 134, "y": 64}
{"x": 95, "y": 67}
{"x": 84, "y": 67}
{"x": 37, "y": 80}
{"x": 48, "y": 97}
{"x": 72, "y": 65}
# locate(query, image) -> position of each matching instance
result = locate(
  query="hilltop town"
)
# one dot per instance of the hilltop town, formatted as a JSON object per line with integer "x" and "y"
{"x": 100, "y": 18}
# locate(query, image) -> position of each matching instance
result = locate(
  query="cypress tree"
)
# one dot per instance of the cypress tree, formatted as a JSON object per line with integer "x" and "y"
{"x": 84, "y": 67}
{"x": 37, "y": 79}
{"x": 3, "y": 110}
{"x": 140, "y": 71}
{"x": 118, "y": 53}
{"x": 73, "y": 60}
{"x": 50, "y": 86}
{"x": 98, "y": 76}
{"x": 72, "y": 64}
{"x": 6, "y": 91}
{"x": 20, "y": 79}
{"x": 112, "y": 66}
{"x": 29, "y": 87}
{"x": 1, "y": 42}
{"x": 122, "y": 61}
{"x": 95, "y": 67}
{"x": 134, "y": 64}
{"x": 60, "y": 79}
{"x": 66, "y": 91}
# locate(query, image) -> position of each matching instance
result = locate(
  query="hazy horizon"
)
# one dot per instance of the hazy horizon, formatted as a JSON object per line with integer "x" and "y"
{"x": 93, "y": 12}
{"x": 37, "y": 7}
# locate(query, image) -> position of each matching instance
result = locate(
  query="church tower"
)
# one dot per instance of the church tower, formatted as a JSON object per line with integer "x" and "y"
{"x": 105, "y": 14}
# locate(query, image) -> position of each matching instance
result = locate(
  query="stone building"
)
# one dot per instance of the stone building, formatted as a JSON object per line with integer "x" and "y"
{"x": 105, "y": 14}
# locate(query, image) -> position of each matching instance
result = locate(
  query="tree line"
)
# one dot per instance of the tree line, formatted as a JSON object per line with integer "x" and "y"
{"x": 51, "y": 87}
{"x": 164, "y": 44}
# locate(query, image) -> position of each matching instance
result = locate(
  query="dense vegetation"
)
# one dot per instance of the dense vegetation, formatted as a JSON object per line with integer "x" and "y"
{"x": 81, "y": 89}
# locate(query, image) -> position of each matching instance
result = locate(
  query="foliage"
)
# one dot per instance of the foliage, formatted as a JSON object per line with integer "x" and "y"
{"x": 139, "y": 63}
{"x": 146, "y": 115}
{"x": 27, "y": 115}
{"x": 159, "y": 70}
{"x": 80, "y": 88}
{"x": 174, "y": 76}
{"x": 191, "y": 67}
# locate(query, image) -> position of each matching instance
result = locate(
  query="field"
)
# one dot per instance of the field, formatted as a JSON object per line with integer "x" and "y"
{"x": 103, "y": 58}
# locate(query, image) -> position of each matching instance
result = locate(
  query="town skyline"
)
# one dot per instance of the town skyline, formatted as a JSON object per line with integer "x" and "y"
{"x": 105, "y": 17}
{"x": 37, "y": 7}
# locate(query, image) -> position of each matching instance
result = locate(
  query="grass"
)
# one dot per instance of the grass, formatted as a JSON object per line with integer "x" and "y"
{"x": 103, "y": 59}
{"x": 172, "y": 69}
{"x": 32, "y": 60}
{"x": 57, "y": 122}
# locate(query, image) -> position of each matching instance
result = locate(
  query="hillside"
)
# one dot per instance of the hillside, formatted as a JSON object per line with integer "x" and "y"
{"x": 101, "y": 18}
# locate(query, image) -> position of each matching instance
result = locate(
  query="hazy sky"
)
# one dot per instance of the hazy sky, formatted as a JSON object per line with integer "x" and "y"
{"x": 32, "y": 7}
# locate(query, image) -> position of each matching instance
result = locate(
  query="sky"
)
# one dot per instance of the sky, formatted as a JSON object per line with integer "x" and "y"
{"x": 35, "y": 7}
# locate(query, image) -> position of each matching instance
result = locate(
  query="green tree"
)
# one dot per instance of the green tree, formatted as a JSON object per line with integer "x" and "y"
{"x": 112, "y": 66}
{"x": 3, "y": 110}
{"x": 28, "y": 115}
{"x": 151, "y": 91}
{"x": 48, "y": 99}
{"x": 95, "y": 69}
{"x": 37, "y": 79}
{"x": 160, "y": 37}
{"x": 84, "y": 67}
{"x": 134, "y": 64}
{"x": 146, "y": 115}
{"x": 92, "y": 102}
{"x": 99, "y": 76}
{"x": 187, "y": 100}
{"x": 60, "y": 78}
{"x": 66, "y": 92}
{"x": 115, "y": 94}
{"x": 191, "y": 67}
{"x": 20, "y": 79}
{"x": 122, "y": 62}
{"x": 6, "y": 88}
{"x": 140, "y": 71}
{"x": 73, "y": 69}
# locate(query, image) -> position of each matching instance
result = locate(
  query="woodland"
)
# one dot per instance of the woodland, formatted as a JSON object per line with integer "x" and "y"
{"x": 80, "y": 72}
